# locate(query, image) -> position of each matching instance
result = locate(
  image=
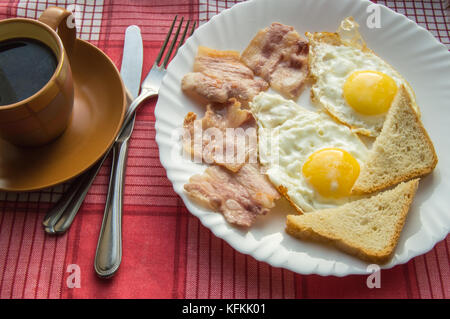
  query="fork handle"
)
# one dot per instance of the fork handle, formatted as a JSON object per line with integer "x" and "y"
{"x": 109, "y": 247}
{"x": 59, "y": 219}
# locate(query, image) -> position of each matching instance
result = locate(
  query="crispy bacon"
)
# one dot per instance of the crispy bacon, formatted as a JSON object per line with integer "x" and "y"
{"x": 237, "y": 188}
{"x": 280, "y": 56}
{"x": 240, "y": 197}
{"x": 220, "y": 75}
{"x": 226, "y": 135}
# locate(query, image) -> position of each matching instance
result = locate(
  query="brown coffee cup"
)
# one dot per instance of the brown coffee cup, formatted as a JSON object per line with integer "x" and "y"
{"x": 43, "y": 116}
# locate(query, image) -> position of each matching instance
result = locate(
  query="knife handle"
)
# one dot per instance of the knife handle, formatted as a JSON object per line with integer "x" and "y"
{"x": 54, "y": 215}
{"x": 109, "y": 247}
{"x": 60, "y": 217}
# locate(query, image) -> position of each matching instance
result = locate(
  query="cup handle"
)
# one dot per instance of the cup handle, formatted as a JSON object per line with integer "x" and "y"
{"x": 61, "y": 20}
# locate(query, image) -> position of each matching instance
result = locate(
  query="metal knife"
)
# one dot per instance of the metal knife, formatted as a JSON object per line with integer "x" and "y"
{"x": 109, "y": 247}
{"x": 60, "y": 217}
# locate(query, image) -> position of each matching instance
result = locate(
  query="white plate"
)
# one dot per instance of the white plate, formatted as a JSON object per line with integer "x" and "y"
{"x": 412, "y": 50}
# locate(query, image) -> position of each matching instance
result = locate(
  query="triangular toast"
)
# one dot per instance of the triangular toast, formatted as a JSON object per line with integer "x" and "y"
{"x": 368, "y": 228}
{"x": 402, "y": 151}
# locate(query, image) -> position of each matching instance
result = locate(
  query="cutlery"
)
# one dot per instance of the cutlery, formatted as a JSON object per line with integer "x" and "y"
{"x": 59, "y": 219}
{"x": 109, "y": 247}
{"x": 61, "y": 216}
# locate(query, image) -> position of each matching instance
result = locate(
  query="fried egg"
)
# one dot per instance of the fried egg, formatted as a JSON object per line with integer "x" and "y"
{"x": 311, "y": 159}
{"x": 351, "y": 82}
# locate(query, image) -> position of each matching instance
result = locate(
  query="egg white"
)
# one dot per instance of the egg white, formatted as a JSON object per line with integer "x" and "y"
{"x": 287, "y": 135}
{"x": 331, "y": 64}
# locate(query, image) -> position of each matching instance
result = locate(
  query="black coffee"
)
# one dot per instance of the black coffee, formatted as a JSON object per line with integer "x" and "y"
{"x": 26, "y": 65}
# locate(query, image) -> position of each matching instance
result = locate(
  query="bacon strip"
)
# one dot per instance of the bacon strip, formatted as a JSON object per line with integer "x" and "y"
{"x": 280, "y": 56}
{"x": 215, "y": 144}
{"x": 240, "y": 197}
{"x": 238, "y": 189}
{"x": 220, "y": 75}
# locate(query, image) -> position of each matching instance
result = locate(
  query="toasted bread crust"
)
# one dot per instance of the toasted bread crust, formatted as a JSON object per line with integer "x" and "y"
{"x": 360, "y": 189}
{"x": 364, "y": 185}
{"x": 296, "y": 229}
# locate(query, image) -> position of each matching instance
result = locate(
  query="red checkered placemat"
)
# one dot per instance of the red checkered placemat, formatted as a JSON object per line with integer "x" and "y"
{"x": 167, "y": 253}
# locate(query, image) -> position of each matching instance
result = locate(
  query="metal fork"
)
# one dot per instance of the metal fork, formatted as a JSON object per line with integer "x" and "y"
{"x": 60, "y": 217}
{"x": 109, "y": 248}
{"x": 152, "y": 82}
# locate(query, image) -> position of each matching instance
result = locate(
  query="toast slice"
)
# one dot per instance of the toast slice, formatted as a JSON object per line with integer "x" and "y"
{"x": 402, "y": 151}
{"x": 368, "y": 228}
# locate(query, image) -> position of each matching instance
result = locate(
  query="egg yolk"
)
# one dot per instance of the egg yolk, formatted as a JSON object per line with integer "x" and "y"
{"x": 369, "y": 92}
{"x": 331, "y": 171}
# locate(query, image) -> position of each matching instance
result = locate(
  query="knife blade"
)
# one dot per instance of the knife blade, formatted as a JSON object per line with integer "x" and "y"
{"x": 109, "y": 247}
{"x": 132, "y": 60}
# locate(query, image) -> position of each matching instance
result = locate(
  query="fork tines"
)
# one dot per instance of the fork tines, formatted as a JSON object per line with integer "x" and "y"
{"x": 174, "y": 40}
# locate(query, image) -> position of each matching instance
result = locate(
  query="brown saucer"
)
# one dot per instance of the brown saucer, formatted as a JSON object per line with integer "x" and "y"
{"x": 98, "y": 112}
